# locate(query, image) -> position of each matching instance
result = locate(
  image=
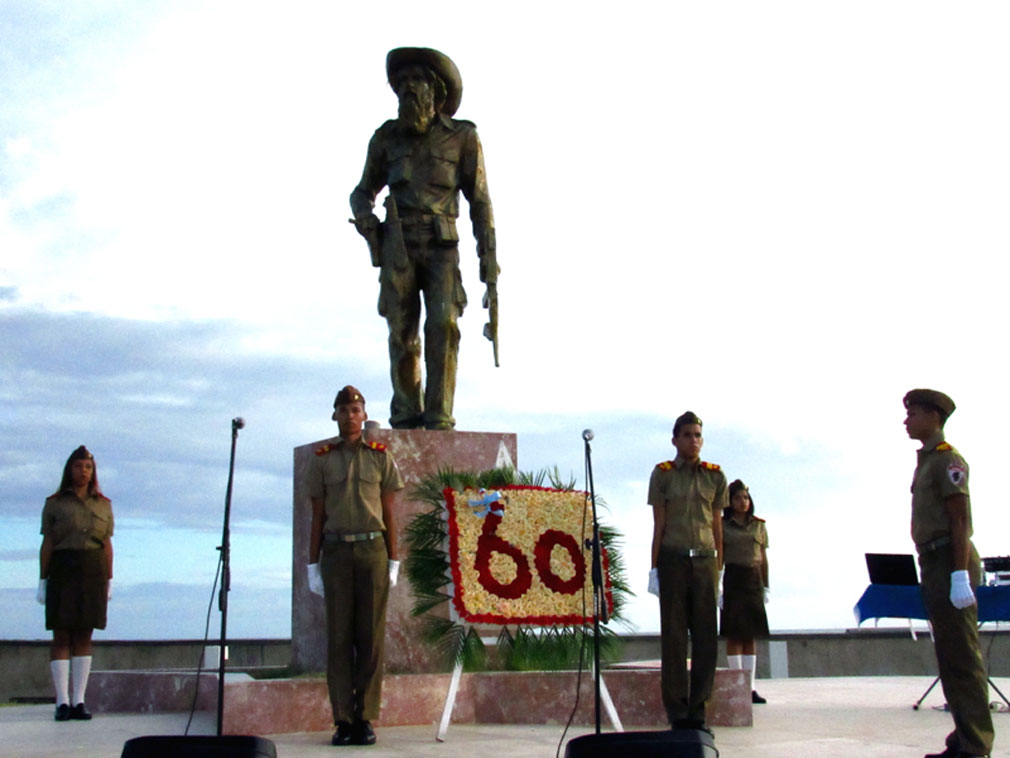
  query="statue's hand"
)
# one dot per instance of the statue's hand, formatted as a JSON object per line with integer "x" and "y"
{"x": 366, "y": 225}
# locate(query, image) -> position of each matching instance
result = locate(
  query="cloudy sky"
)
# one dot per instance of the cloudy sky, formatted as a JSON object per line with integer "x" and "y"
{"x": 780, "y": 215}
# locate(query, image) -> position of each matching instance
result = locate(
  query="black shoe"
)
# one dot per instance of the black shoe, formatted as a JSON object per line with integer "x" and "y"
{"x": 343, "y": 734}
{"x": 62, "y": 713}
{"x": 363, "y": 733}
{"x": 948, "y": 752}
{"x": 80, "y": 713}
{"x": 756, "y": 698}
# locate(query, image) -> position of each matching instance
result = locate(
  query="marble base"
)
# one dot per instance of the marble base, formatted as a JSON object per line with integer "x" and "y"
{"x": 152, "y": 691}
{"x": 280, "y": 706}
{"x": 302, "y": 705}
{"x": 418, "y": 452}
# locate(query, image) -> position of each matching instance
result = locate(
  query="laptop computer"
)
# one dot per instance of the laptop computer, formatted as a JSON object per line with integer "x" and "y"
{"x": 889, "y": 568}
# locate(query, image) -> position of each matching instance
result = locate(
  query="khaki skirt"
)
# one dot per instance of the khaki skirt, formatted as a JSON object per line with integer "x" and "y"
{"x": 743, "y": 605}
{"x": 77, "y": 590}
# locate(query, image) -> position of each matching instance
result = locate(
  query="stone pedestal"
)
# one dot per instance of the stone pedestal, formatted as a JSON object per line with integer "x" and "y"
{"x": 418, "y": 452}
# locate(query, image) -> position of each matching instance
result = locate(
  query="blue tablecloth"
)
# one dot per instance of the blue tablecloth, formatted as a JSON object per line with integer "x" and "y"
{"x": 898, "y": 601}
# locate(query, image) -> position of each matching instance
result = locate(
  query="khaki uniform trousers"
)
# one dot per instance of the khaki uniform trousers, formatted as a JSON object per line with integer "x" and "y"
{"x": 356, "y": 583}
{"x": 687, "y": 607}
{"x": 955, "y": 634}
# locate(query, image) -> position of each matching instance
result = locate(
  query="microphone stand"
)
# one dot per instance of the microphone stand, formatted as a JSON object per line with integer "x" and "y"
{"x": 599, "y": 593}
{"x": 225, "y": 549}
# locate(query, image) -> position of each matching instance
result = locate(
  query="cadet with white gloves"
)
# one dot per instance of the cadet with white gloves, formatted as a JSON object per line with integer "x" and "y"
{"x": 949, "y": 568}
{"x": 353, "y": 563}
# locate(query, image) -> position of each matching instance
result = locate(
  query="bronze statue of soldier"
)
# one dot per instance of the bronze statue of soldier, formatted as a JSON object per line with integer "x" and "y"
{"x": 425, "y": 157}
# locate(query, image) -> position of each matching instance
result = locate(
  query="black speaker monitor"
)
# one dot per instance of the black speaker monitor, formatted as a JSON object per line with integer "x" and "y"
{"x": 671, "y": 743}
{"x": 199, "y": 746}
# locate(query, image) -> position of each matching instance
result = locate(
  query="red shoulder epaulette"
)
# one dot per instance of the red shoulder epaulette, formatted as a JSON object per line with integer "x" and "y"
{"x": 944, "y": 446}
{"x": 758, "y": 518}
{"x": 665, "y": 465}
{"x": 710, "y": 466}
{"x": 376, "y": 446}
{"x": 324, "y": 449}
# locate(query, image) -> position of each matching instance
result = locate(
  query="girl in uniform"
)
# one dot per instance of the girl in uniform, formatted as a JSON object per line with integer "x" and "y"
{"x": 76, "y": 577}
{"x": 745, "y": 582}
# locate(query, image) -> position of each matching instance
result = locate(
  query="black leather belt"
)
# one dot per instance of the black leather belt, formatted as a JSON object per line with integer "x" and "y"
{"x": 933, "y": 545}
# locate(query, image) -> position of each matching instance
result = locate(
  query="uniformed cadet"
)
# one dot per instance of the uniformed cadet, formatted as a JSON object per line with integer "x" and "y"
{"x": 949, "y": 569}
{"x": 353, "y": 563}
{"x": 745, "y": 582}
{"x": 687, "y": 496}
{"x": 76, "y": 577}
{"x": 426, "y": 158}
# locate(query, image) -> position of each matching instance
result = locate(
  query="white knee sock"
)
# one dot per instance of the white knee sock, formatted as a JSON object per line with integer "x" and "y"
{"x": 81, "y": 667}
{"x": 60, "y": 669}
{"x": 750, "y": 663}
{"x": 734, "y": 662}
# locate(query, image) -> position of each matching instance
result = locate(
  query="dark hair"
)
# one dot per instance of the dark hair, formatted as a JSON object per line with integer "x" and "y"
{"x": 688, "y": 417}
{"x": 80, "y": 454}
{"x": 736, "y": 486}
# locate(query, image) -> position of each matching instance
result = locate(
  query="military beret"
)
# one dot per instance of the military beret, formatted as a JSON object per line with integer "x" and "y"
{"x": 688, "y": 417}
{"x": 438, "y": 62}
{"x": 932, "y": 399}
{"x": 347, "y": 395}
{"x": 81, "y": 454}
{"x": 736, "y": 486}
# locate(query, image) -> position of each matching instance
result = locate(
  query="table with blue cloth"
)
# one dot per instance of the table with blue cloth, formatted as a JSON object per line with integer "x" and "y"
{"x": 905, "y": 601}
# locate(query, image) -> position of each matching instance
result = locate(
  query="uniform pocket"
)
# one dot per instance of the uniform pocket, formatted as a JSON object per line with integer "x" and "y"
{"x": 100, "y": 527}
{"x": 445, "y": 231}
{"x": 443, "y": 168}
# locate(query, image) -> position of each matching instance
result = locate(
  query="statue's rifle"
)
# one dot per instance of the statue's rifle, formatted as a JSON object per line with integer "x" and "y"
{"x": 489, "y": 264}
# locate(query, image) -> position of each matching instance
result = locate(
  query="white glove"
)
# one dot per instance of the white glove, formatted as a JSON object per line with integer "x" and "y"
{"x": 40, "y": 596}
{"x": 315, "y": 579}
{"x": 108, "y": 591}
{"x": 394, "y": 572}
{"x": 654, "y": 582}
{"x": 768, "y": 594}
{"x": 961, "y": 595}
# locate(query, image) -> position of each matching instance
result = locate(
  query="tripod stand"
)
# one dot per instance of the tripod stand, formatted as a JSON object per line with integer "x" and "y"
{"x": 937, "y": 679}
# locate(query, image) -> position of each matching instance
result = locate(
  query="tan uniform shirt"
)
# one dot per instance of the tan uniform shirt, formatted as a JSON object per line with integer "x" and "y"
{"x": 688, "y": 493}
{"x": 75, "y": 524}
{"x": 350, "y": 479}
{"x": 941, "y": 472}
{"x": 742, "y": 544}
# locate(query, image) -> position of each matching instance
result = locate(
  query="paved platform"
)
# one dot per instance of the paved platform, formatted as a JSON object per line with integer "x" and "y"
{"x": 870, "y": 717}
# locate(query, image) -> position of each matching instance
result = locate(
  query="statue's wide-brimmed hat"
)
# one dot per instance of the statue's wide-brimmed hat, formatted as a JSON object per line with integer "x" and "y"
{"x": 440, "y": 63}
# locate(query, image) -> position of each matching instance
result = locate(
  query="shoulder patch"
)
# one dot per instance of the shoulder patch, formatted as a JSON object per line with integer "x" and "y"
{"x": 324, "y": 449}
{"x": 710, "y": 466}
{"x": 665, "y": 465}
{"x": 376, "y": 446}
{"x": 944, "y": 446}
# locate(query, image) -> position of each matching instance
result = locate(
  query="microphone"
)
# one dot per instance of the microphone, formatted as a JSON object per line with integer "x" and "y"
{"x": 587, "y": 434}
{"x": 237, "y": 423}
